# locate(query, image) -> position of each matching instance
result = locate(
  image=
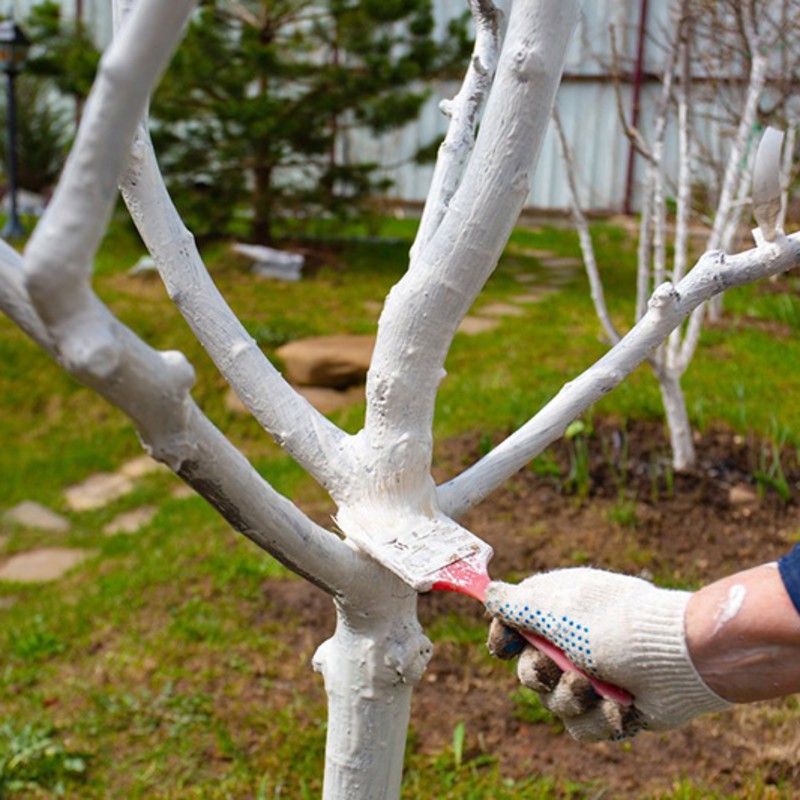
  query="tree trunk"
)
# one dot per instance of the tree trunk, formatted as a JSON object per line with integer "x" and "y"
{"x": 370, "y": 666}
{"x": 680, "y": 431}
{"x": 261, "y": 228}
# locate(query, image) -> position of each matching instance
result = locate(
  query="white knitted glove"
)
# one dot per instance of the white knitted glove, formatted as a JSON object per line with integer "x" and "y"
{"x": 620, "y": 629}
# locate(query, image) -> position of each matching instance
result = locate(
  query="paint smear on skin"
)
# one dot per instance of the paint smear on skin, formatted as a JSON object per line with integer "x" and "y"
{"x": 732, "y": 606}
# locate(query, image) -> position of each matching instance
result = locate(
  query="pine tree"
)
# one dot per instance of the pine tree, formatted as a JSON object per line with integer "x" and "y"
{"x": 255, "y": 100}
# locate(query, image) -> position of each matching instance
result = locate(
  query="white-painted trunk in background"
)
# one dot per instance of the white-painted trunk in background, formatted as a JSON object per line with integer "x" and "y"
{"x": 680, "y": 430}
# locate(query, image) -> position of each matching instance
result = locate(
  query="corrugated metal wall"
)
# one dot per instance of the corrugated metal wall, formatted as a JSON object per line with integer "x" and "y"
{"x": 96, "y": 14}
{"x": 589, "y": 110}
{"x": 586, "y": 100}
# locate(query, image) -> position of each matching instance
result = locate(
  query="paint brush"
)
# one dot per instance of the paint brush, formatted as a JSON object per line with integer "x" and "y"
{"x": 435, "y": 553}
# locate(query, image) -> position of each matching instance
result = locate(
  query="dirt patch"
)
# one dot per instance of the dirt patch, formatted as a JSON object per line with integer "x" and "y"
{"x": 641, "y": 519}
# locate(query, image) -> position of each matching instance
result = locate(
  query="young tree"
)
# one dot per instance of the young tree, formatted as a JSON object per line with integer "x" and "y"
{"x": 670, "y": 361}
{"x": 255, "y": 106}
{"x": 380, "y": 477}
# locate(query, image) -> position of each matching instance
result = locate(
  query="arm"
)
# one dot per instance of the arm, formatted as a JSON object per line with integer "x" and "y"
{"x": 743, "y": 634}
{"x": 680, "y": 654}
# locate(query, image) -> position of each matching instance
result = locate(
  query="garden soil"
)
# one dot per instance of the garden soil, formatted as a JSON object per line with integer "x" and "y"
{"x": 632, "y": 515}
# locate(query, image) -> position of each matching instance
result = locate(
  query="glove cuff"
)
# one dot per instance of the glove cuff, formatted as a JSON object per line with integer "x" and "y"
{"x": 660, "y": 655}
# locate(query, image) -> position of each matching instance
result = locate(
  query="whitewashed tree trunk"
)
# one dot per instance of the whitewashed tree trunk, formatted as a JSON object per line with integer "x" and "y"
{"x": 680, "y": 429}
{"x": 379, "y": 478}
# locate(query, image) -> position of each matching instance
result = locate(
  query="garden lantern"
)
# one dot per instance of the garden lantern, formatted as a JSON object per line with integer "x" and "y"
{"x": 14, "y": 46}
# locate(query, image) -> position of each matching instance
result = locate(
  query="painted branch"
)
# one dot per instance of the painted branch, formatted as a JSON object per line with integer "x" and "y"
{"x": 730, "y": 181}
{"x": 314, "y": 442}
{"x": 463, "y": 111}
{"x": 424, "y": 309}
{"x": 152, "y": 388}
{"x": 60, "y": 253}
{"x": 786, "y": 172}
{"x": 680, "y": 430}
{"x": 669, "y": 306}
{"x": 370, "y": 667}
{"x": 684, "y": 194}
{"x": 650, "y": 205}
{"x": 15, "y": 302}
{"x": 584, "y": 234}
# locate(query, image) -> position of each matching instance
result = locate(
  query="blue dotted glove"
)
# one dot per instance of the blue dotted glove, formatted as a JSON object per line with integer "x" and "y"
{"x": 620, "y": 629}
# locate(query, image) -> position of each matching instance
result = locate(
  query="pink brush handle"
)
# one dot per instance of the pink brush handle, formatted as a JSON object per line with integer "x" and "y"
{"x": 602, "y": 688}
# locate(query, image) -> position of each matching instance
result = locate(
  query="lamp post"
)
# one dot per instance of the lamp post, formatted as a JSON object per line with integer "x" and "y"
{"x": 14, "y": 46}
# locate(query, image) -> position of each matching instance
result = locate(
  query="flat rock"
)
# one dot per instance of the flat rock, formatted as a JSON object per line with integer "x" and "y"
{"x": 183, "y": 492}
{"x": 34, "y": 515}
{"x": 530, "y": 252}
{"x": 502, "y": 310}
{"x": 130, "y": 521}
{"x": 562, "y": 262}
{"x": 46, "y": 564}
{"x": 742, "y": 495}
{"x": 532, "y": 297}
{"x": 526, "y": 277}
{"x": 329, "y": 400}
{"x": 335, "y": 362}
{"x": 471, "y": 326}
{"x": 141, "y": 466}
{"x": 97, "y": 491}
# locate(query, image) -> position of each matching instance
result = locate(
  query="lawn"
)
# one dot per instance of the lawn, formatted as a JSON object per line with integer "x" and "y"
{"x": 165, "y": 666}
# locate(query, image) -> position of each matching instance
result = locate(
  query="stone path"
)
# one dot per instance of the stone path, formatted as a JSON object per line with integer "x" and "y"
{"x": 45, "y": 564}
{"x": 34, "y": 515}
{"x": 471, "y": 326}
{"x": 97, "y": 491}
{"x": 131, "y": 521}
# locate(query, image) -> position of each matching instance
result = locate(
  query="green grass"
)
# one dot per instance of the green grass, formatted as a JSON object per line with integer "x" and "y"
{"x": 152, "y": 671}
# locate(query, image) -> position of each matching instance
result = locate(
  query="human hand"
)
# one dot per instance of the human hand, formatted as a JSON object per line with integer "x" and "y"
{"x": 620, "y": 629}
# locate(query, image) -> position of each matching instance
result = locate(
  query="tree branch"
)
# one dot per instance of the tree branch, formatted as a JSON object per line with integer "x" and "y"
{"x": 584, "y": 235}
{"x": 669, "y": 306}
{"x": 423, "y": 310}
{"x": 152, "y": 388}
{"x": 463, "y": 111}
{"x": 312, "y": 440}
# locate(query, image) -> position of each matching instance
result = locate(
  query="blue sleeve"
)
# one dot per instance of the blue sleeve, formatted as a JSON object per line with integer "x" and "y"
{"x": 789, "y": 567}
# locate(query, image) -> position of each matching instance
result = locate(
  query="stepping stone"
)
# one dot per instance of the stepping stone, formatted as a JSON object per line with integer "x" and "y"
{"x": 502, "y": 310}
{"x": 35, "y": 515}
{"x": 335, "y": 362}
{"x": 329, "y": 400}
{"x": 141, "y": 466}
{"x": 562, "y": 262}
{"x": 471, "y": 326}
{"x": 131, "y": 521}
{"x": 183, "y": 492}
{"x": 531, "y": 297}
{"x": 742, "y": 495}
{"x": 526, "y": 277}
{"x": 97, "y": 491}
{"x": 46, "y": 564}
{"x": 530, "y": 252}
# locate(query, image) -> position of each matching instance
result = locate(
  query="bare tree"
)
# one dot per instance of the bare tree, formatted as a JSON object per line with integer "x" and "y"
{"x": 670, "y": 361}
{"x": 380, "y": 477}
